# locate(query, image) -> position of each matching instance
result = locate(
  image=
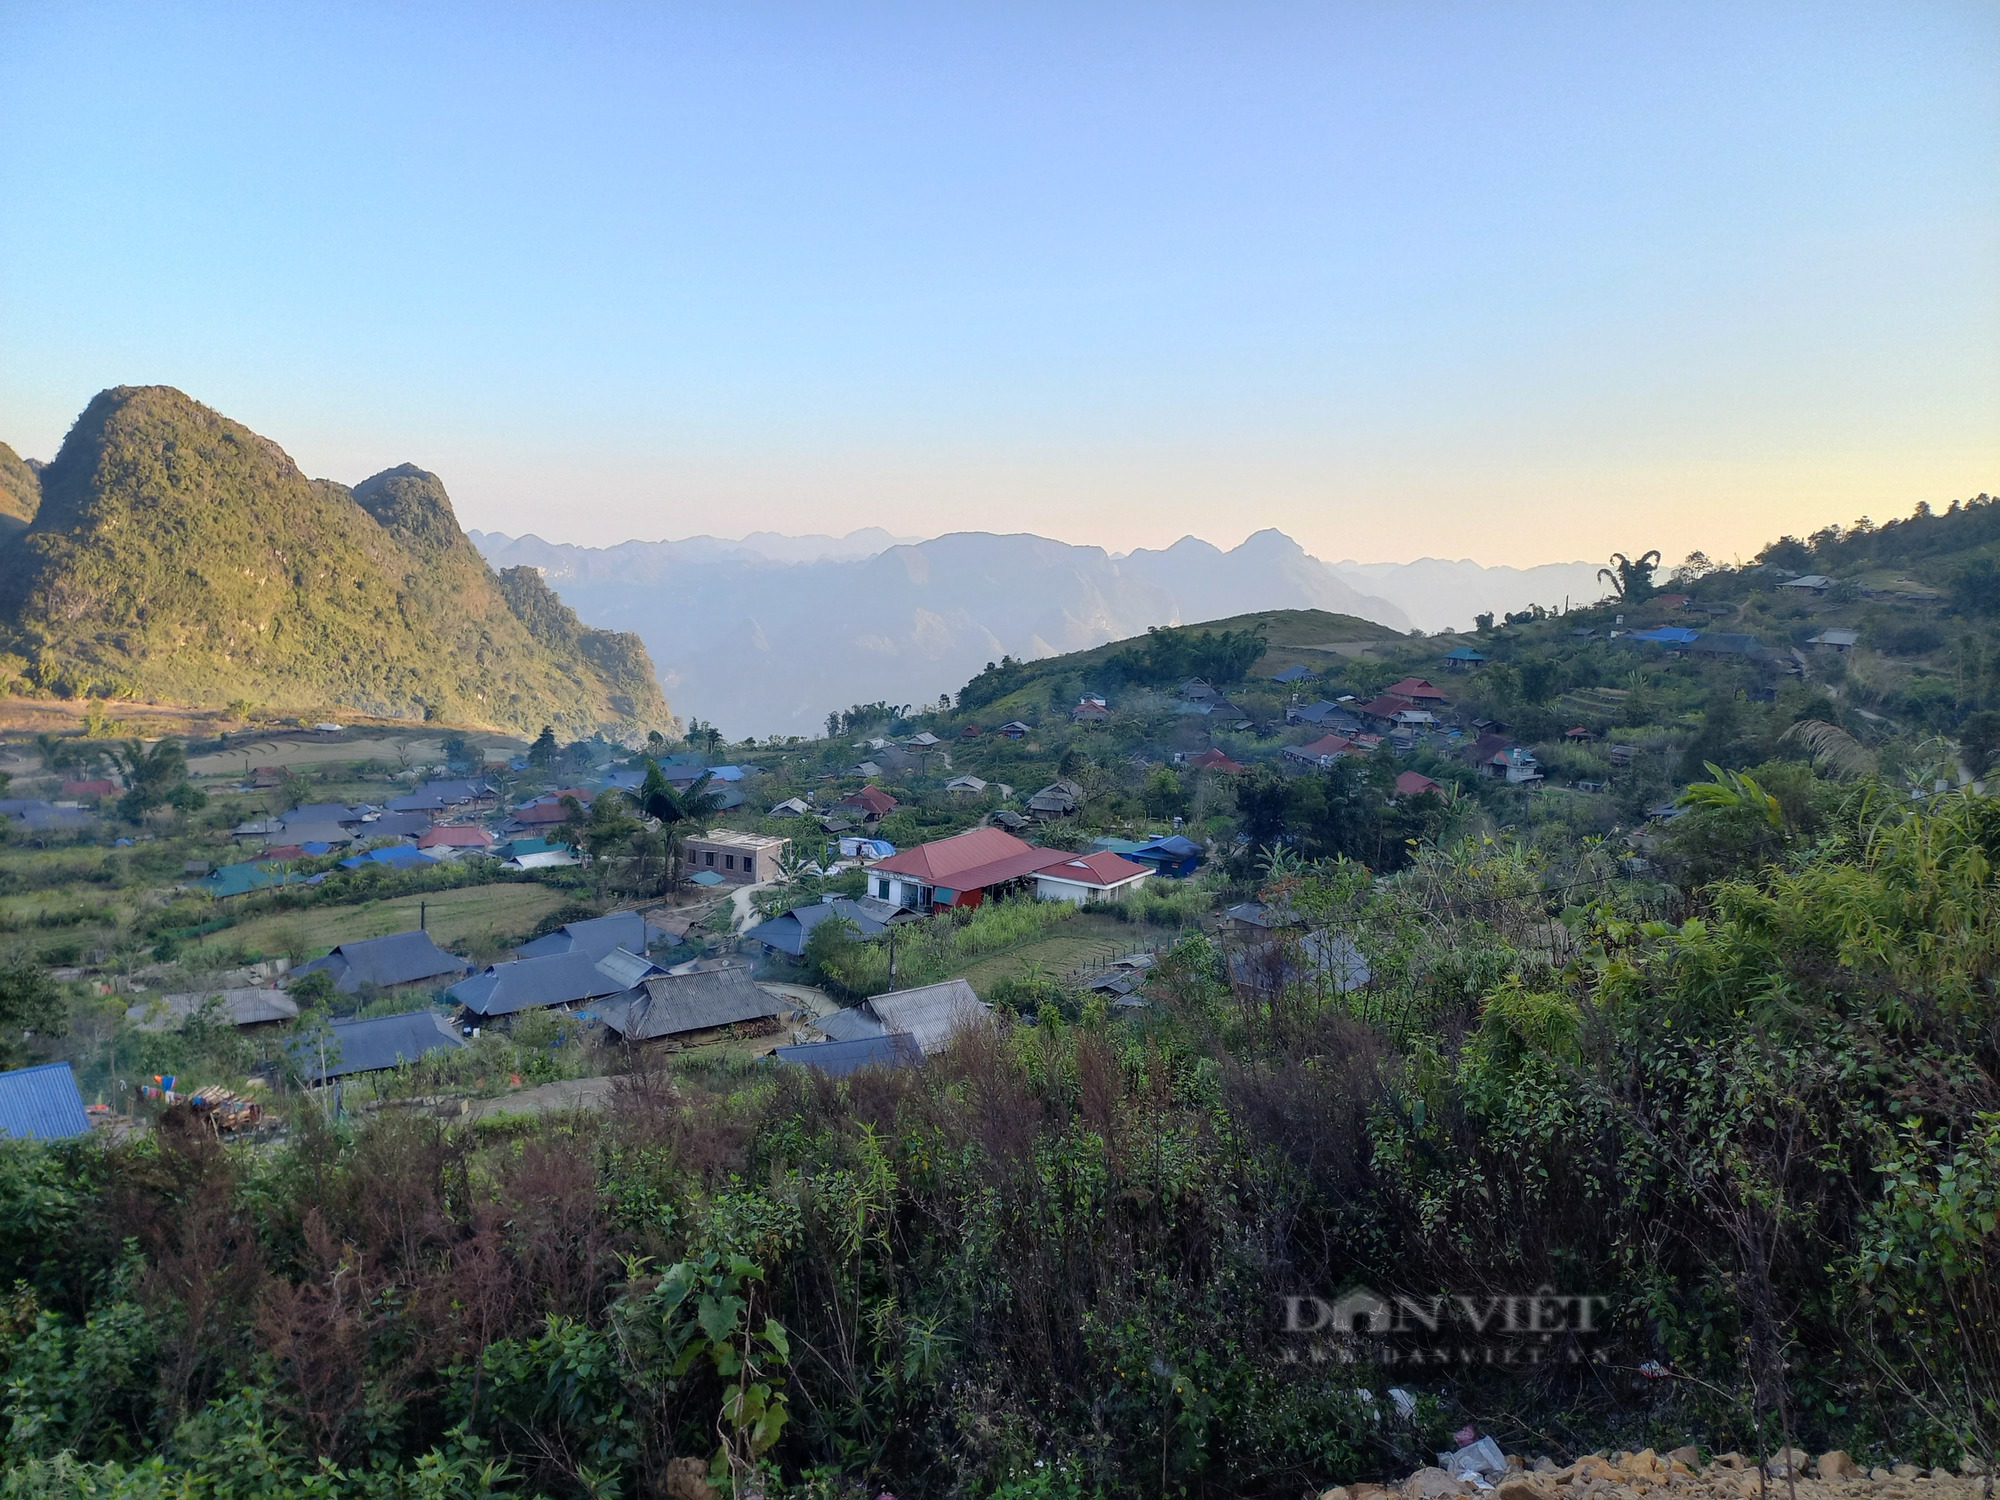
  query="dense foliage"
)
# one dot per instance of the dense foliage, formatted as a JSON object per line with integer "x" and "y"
{"x": 1757, "y": 1118}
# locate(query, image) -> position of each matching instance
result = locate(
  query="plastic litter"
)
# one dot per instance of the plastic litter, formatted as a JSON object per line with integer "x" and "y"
{"x": 1477, "y": 1462}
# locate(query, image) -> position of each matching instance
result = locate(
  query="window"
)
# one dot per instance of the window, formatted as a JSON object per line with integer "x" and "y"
{"x": 882, "y": 889}
{"x": 728, "y": 861}
{"x": 711, "y": 856}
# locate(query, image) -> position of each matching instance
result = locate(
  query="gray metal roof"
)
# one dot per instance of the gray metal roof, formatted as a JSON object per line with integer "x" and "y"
{"x": 838, "y": 1059}
{"x": 596, "y": 936}
{"x": 395, "y": 825}
{"x": 41, "y": 1104}
{"x": 930, "y": 1014}
{"x": 376, "y": 1043}
{"x": 242, "y": 1006}
{"x": 788, "y": 932}
{"x": 317, "y": 833}
{"x": 850, "y": 1025}
{"x": 399, "y": 958}
{"x": 322, "y": 812}
{"x": 675, "y": 1003}
{"x": 532, "y": 983}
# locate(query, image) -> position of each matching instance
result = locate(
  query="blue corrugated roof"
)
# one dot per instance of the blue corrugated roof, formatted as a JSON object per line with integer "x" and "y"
{"x": 41, "y": 1104}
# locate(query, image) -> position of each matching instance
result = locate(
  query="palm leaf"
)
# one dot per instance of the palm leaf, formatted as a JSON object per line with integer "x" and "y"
{"x": 1832, "y": 749}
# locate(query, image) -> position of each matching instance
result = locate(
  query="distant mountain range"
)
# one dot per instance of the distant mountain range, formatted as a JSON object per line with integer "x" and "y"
{"x": 768, "y": 634}
{"x": 170, "y": 554}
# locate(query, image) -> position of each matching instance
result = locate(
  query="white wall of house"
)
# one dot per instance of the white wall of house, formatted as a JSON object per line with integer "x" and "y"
{"x": 904, "y": 892}
{"x": 1078, "y": 894}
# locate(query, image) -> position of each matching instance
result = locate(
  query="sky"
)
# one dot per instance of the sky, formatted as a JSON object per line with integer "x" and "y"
{"x": 1520, "y": 282}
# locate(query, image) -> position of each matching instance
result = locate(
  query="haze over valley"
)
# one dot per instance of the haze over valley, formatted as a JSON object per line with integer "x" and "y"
{"x": 769, "y": 634}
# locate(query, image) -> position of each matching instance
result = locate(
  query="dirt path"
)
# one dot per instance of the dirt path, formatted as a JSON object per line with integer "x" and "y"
{"x": 564, "y": 1094}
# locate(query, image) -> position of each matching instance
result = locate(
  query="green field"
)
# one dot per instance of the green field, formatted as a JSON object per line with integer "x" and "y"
{"x": 455, "y": 916}
{"x": 1087, "y": 937}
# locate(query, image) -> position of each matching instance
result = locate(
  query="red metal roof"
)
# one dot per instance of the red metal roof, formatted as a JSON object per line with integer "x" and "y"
{"x": 1415, "y": 784}
{"x": 96, "y": 788}
{"x": 967, "y": 861}
{"x": 871, "y": 798}
{"x": 540, "y": 813}
{"x": 454, "y": 838}
{"x": 1215, "y": 760}
{"x": 1102, "y": 869}
{"x": 1416, "y": 689}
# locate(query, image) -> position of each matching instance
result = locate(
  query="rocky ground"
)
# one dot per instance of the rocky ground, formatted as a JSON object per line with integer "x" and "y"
{"x": 1790, "y": 1475}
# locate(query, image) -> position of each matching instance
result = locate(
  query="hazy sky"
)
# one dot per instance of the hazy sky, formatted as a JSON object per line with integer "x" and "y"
{"x": 1518, "y": 282}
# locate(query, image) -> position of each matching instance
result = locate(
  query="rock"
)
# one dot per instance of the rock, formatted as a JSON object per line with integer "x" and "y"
{"x": 1515, "y": 1487}
{"x": 1547, "y": 1465}
{"x": 1686, "y": 1454}
{"x": 1428, "y": 1484}
{"x": 1880, "y": 1475}
{"x": 1369, "y": 1492}
{"x": 1731, "y": 1460}
{"x": 1338, "y": 1492}
{"x": 1786, "y": 1461}
{"x": 1906, "y": 1471}
{"x": 1970, "y": 1466}
{"x": 1835, "y": 1464}
{"x": 687, "y": 1479}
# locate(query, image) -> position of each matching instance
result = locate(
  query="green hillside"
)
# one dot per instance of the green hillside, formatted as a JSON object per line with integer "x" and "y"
{"x": 1314, "y": 638}
{"x": 179, "y": 557}
{"x": 20, "y": 489}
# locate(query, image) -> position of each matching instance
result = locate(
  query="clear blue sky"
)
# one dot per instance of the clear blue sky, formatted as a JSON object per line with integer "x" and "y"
{"x": 1519, "y": 282}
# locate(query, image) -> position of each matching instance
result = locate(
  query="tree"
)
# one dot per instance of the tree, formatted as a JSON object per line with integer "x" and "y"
{"x": 1694, "y": 568}
{"x": 30, "y": 1005}
{"x": 657, "y": 799}
{"x": 573, "y": 826}
{"x": 1631, "y": 579}
{"x": 156, "y": 778}
{"x": 542, "y": 754}
{"x": 1976, "y": 589}
{"x": 611, "y": 827}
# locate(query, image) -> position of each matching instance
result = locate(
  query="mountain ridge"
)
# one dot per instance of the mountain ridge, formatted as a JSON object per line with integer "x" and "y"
{"x": 177, "y": 555}
{"x": 772, "y": 645}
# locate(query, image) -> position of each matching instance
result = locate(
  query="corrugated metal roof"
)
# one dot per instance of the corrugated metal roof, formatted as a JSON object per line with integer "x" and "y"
{"x": 532, "y": 983}
{"x": 596, "y": 936}
{"x": 850, "y": 1025}
{"x": 243, "y": 1006}
{"x": 399, "y": 958}
{"x": 675, "y": 1003}
{"x": 838, "y": 1059}
{"x": 930, "y": 1014}
{"x": 376, "y": 1043}
{"x": 41, "y": 1104}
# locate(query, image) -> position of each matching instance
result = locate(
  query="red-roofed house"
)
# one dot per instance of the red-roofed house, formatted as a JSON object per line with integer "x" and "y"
{"x": 870, "y": 802}
{"x": 1322, "y": 752}
{"x": 1415, "y": 784}
{"x": 454, "y": 836}
{"x": 88, "y": 791}
{"x": 1215, "y": 760}
{"x": 1083, "y": 878}
{"x": 959, "y": 871}
{"x": 1415, "y": 690}
{"x": 540, "y": 814}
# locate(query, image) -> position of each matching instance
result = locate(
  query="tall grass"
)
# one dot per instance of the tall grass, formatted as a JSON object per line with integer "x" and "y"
{"x": 938, "y": 948}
